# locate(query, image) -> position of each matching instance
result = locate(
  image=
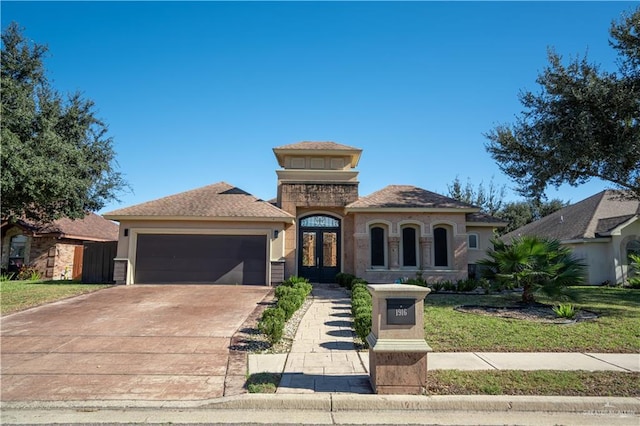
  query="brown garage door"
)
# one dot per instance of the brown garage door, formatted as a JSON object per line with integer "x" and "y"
{"x": 201, "y": 259}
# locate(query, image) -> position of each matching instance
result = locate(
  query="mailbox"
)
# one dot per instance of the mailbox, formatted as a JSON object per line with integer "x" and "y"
{"x": 401, "y": 311}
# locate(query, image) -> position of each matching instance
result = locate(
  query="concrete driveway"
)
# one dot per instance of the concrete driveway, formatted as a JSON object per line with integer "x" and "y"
{"x": 141, "y": 342}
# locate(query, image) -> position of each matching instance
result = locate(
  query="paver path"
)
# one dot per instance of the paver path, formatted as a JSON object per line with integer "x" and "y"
{"x": 323, "y": 356}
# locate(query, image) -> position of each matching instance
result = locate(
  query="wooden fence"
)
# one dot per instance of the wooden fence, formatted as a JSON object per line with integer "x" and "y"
{"x": 97, "y": 262}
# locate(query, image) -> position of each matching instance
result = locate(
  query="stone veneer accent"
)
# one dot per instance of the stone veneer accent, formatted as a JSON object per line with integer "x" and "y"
{"x": 295, "y": 198}
{"x": 53, "y": 258}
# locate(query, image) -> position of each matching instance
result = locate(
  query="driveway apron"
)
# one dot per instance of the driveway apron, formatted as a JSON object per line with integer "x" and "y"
{"x": 141, "y": 342}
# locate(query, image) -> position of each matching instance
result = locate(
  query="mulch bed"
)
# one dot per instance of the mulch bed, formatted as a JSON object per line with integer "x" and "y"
{"x": 536, "y": 312}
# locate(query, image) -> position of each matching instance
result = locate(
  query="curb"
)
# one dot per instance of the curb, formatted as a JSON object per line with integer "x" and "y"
{"x": 334, "y": 402}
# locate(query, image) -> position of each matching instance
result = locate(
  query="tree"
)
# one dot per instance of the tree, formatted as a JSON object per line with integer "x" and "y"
{"x": 56, "y": 159}
{"x": 519, "y": 213}
{"x": 534, "y": 264}
{"x": 584, "y": 123}
{"x": 492, "y": 201}
{"x": 489, "y": 200}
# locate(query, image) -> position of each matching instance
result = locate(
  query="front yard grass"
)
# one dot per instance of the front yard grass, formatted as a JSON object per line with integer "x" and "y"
{"x": 617, "y": 329}
{"x": 20, "y": 295}
{"x": 541, "y": 382}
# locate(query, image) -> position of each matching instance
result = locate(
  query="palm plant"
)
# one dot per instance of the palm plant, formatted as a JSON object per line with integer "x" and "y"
{"x": 534, "y": 264}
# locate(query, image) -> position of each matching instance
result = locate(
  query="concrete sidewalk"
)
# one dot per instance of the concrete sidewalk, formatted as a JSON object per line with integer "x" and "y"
{"x": 323, "y": 357}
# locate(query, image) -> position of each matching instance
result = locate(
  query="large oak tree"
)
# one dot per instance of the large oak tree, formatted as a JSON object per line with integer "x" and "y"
{"x": 57, "y": 159}
{"x": 584, "y": 123}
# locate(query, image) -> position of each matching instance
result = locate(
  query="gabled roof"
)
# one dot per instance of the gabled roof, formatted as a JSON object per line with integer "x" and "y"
{"x": 592, "y": 217}
{"x": 220, "y": 201}
{"x": 90, "y": 228}
{"x": 317, "y": 148}
{"x": 407, "y": 196}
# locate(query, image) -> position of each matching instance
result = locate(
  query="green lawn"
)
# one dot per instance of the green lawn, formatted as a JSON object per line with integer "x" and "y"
{"x": 616, "y": 330}
{"x": 543, "y": 382}
{"x": 19, "y": 295}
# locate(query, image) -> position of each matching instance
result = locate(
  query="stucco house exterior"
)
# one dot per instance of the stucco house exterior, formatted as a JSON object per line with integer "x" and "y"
{"x": 317, "y": 226}
{"x": 54, "y": 250}
{"x": 602, "y": 230}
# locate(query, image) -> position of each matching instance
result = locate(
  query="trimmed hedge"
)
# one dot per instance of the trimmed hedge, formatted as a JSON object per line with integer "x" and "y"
{"x": 361, "y": 307}
{"x": 290, "y": 295}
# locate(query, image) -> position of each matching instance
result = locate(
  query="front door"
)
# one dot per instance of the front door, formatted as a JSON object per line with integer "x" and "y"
{"x": 319, "y": 243}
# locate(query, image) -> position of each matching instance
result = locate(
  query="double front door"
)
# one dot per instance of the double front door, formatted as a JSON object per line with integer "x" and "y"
{"x": 319, "y": 248}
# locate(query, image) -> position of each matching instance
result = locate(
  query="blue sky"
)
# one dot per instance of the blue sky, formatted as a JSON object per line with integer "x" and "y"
{"x": 200, "y": 92}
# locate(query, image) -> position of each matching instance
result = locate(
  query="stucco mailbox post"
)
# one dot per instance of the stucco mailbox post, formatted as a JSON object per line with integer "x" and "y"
{"x": 397, "y": 348}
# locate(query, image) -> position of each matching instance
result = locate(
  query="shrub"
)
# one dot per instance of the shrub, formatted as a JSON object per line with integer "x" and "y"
{"x": 565, "y": 310}
{"x": 28, "y": 273}
{"x": 358, "y": 281}
{"x": 362, "y": 324}
{"x": 290, "y": 295}
{"x": 449, "y": 286}
{"x": 467, "y": 285}
{"x": 361, "y": 309}
{"x": 272, "y": 324}
{"x": 282, "y": 290}
{"x": 303, "y": 287}
{"x": 344, "y": 279}
{"x": 437, "y": 286}
{"x": 289, "y": 305}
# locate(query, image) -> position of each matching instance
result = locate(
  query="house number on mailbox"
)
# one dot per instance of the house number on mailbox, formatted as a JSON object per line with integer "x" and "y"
{"x": 401, "y": 311}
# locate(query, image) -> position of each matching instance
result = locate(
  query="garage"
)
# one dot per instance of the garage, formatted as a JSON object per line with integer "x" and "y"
{"x": 201, "y": 259}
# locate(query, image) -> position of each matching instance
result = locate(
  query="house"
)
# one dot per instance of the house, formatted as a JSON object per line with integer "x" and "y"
{"x": 54, "y": 250}
{"x": 602, "y": 230}
{"x": 316, "y": 227}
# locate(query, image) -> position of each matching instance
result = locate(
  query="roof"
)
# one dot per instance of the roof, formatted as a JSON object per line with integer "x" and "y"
{"x": 480, "y": 217}
{"x": 317, "y": 148}
{"x": 593, "y": 217}
{"x": 310, "y": 145}
{"x": 218, "y": 201}
{"x": 407, "y": 196}
{"x": 91, "y": 228}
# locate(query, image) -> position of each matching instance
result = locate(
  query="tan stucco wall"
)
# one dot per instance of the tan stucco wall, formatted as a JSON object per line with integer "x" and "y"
{"x": 598, "y": 256}
{"x": 484, "y": 242}
{"x": 126, "y": 244}
{"x": 457, "y": 241}
{"x": 619, "y": 244}
{"x": 606, "y": 257}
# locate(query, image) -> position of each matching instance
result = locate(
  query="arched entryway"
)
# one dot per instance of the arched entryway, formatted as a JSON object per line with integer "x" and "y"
{"x": 319, "y": 248}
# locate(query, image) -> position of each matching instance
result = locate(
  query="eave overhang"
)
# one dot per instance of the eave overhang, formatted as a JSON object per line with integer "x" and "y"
{"x": 261, "y": 219}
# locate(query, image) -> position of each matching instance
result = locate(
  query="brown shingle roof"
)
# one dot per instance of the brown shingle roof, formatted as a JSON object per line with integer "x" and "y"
{"x": 407, "y": 196}
{"x": 219, "y": 200}
{"x": 92, "y": 227}
{"x": 480, "y": 217}
{"x": 588, "y": 218}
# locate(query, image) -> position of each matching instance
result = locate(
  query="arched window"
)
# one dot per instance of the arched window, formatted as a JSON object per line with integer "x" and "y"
{"x": 633, "y": 247}
{"x": 17, "y": 248}
{"x": 409, "y": 247}
{"x": 440, "y": 247}
{"x": 378, "y": 258}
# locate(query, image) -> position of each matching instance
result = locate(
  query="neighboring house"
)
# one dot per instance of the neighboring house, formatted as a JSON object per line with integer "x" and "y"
{"x": 316, "y": 227}
{"x": 54, "y": 250}
{"x": 602, "y": 230}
